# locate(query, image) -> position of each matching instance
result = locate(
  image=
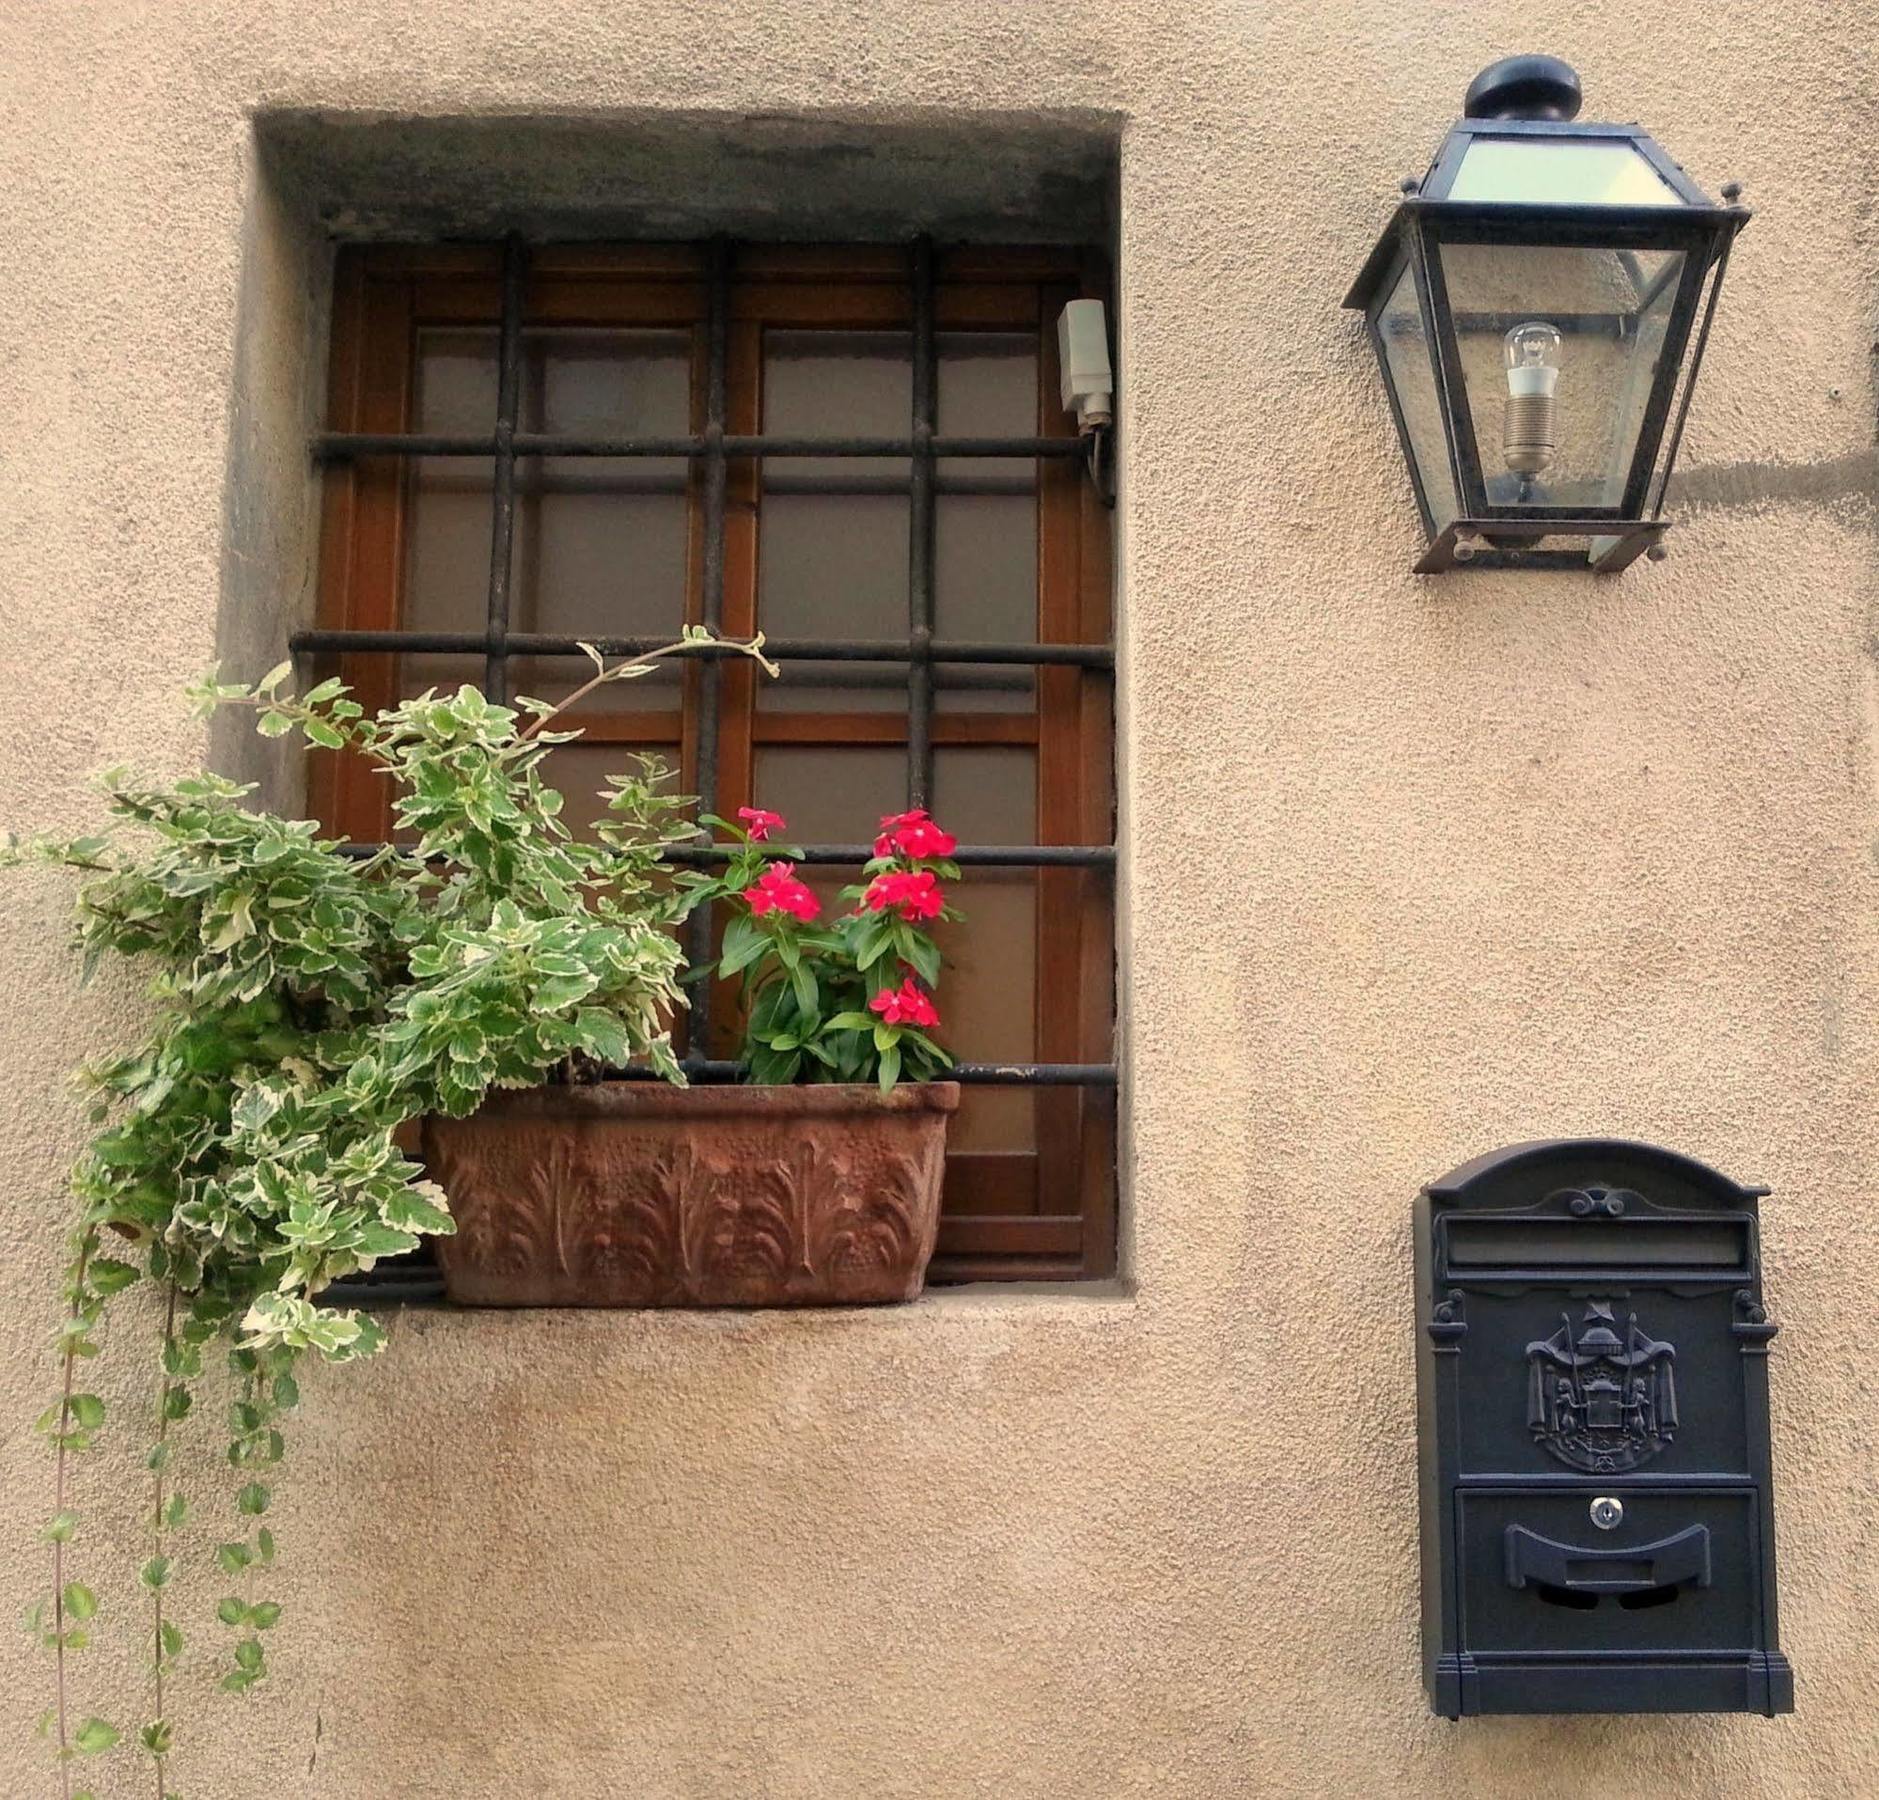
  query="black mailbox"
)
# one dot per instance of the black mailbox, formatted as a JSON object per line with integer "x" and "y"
{"x": 1592, "y": 1380}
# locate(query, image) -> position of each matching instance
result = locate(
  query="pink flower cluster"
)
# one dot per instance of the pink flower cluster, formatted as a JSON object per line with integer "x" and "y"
{"x": 917, "y": 894}
{"x": 907, "y": 1004}
{"x": 778, "y": 890}
{"x": 913, "y": 834}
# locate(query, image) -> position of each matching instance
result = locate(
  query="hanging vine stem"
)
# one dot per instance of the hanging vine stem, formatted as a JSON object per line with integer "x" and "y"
{"x": 247, "y": 1144}
{"x": 156, "y": 1735}
{"x": 61, "y": 1524}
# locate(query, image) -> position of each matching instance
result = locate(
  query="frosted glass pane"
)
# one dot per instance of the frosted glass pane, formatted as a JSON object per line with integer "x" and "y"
{"x": 985, "y": 516}
{"x": 839, "y": 384}
{"x": 987, "y": 387}
{"x": 834, "y": 565}
{"x": 456, "y": 380}
{"x": 1412, "y": 377}
{"x": 602, "y": 543}
{"x": 1559, "y": 171}
{"x": 989, "y": 992}
{"x": 832, "y": 556}
{"x": 449, "y": 508}
{"x": 831, "y": 796}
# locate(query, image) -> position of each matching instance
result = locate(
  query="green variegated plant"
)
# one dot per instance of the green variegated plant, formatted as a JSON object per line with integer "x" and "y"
{"x": 307, "y": 1004}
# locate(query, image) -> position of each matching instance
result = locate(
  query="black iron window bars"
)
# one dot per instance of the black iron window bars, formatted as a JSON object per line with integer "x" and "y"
{"x": 714, "y": 448}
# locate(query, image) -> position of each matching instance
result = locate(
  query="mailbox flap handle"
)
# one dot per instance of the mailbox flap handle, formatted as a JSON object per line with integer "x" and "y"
{"x": 1670, "y": 1562}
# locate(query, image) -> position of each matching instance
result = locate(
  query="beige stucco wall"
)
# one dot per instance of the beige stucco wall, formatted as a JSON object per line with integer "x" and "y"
{"x": 1412, "y": 869}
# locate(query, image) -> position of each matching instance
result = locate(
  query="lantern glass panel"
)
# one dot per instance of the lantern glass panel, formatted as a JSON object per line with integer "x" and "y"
{"x": 1536, "y": 171}
{"x": 1411, "y": 369}
{"x": 1610, "y": 309}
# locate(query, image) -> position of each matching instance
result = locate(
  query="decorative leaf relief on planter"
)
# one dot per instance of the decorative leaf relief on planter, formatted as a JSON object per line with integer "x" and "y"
{"x": 875, "y": 1228}
{"x": 785, "y": 1211}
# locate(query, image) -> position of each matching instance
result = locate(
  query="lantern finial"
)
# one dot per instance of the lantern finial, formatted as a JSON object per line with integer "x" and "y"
{"x": 1524, "y": 87}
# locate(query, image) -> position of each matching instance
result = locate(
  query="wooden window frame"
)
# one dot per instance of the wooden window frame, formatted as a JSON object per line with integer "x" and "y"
{"x": 993, "y": 1226}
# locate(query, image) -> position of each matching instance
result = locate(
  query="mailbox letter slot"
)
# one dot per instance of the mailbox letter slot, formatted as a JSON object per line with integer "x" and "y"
{"x": 1670, "y": 1562}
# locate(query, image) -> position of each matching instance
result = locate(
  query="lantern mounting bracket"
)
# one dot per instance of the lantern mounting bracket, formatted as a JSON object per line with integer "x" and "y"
{"x": 1514, "y": 544}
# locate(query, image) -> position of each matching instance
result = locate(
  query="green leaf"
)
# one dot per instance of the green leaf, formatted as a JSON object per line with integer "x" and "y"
{"x": 603, "y": 1036}
{"x": 95, "y": 1737}
{"x": 182, "y": 1360}
{"x": 80, "y": 1602}
{"x": 274, "y": 677}
{"x": 231, "y": 1611}
{"x": 156, "y": 1573}
{"x": 158, "y": 1739}
{"x": 264, "y": 1616}
{"x": 172, "y": 1636}
{"x": 176, "y": 1402}
{"x": 890, "y": 1067}
{"x": 286, "y": 1392}
{"x": 109, "y": 1276}
{"x": 924, "y": 954}
{"x": 409, "y": 1210}
{"x": 253, "y": 1499}
{"x": 264, "y": 1545}
{"x": 88, "y": 1410}
{"x": 250, "y": 1656}
{"x": 321, "y": 733}
{"x": 804, "y": 985}
{"x": 175, "y": 1511}
{"x": 159, "y": 1457}
{"x": 233, "y": 1558}
{"x": 273, "y": 724}
{"x": 62, "y": 1528}
{"x": 744, "y": 942}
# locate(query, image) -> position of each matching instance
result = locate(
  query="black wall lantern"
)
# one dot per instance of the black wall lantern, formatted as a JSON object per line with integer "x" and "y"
{"x": 1532, "y": 303}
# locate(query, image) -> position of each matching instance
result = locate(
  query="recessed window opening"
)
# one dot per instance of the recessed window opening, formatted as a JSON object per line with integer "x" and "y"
{"x": 861, "y": 453}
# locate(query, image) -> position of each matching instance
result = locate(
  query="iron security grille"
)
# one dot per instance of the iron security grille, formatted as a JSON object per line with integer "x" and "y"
{"x": 711, "y": 452}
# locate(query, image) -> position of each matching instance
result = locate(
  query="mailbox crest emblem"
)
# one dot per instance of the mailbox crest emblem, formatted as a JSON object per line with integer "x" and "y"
{"x": 1600, "y": 1396}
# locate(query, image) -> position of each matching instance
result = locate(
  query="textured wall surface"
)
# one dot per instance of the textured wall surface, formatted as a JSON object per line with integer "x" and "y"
{"x": 1430, "y": 867}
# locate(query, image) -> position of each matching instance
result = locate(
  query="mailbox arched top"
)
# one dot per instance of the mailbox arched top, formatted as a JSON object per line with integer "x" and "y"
{"x": 1493, "y": 1179}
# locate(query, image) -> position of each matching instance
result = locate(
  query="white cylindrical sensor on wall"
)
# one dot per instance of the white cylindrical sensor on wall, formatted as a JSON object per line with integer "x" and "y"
{"x": 1083, "y": 363}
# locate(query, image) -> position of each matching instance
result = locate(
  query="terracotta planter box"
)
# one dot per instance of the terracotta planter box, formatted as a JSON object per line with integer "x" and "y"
{"x": 641, "y": 1194}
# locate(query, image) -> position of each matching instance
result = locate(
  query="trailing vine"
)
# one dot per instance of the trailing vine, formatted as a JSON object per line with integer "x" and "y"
{"x": 307, "y": 1005}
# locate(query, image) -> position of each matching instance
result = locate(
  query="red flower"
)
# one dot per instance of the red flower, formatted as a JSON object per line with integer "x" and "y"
{"x": 917, "y": 894}
{"x": 923, "y": 839}
{"x": 777, "y": 889}
{"x": 905, "y": 1005}
{"x": 913, "y": 834}
{"x": 892, "y": 822}
{"x": 760, "y": 823}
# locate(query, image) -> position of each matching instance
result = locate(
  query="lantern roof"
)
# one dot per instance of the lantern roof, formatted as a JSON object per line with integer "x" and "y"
{"x": 1518, "y": 151}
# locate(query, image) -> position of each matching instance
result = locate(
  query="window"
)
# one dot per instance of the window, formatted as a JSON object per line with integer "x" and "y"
{"x": 859, "y": 452}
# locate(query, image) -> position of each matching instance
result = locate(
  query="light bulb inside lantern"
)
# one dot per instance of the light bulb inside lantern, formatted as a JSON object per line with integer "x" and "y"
{"x": 1529, "y": 428}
